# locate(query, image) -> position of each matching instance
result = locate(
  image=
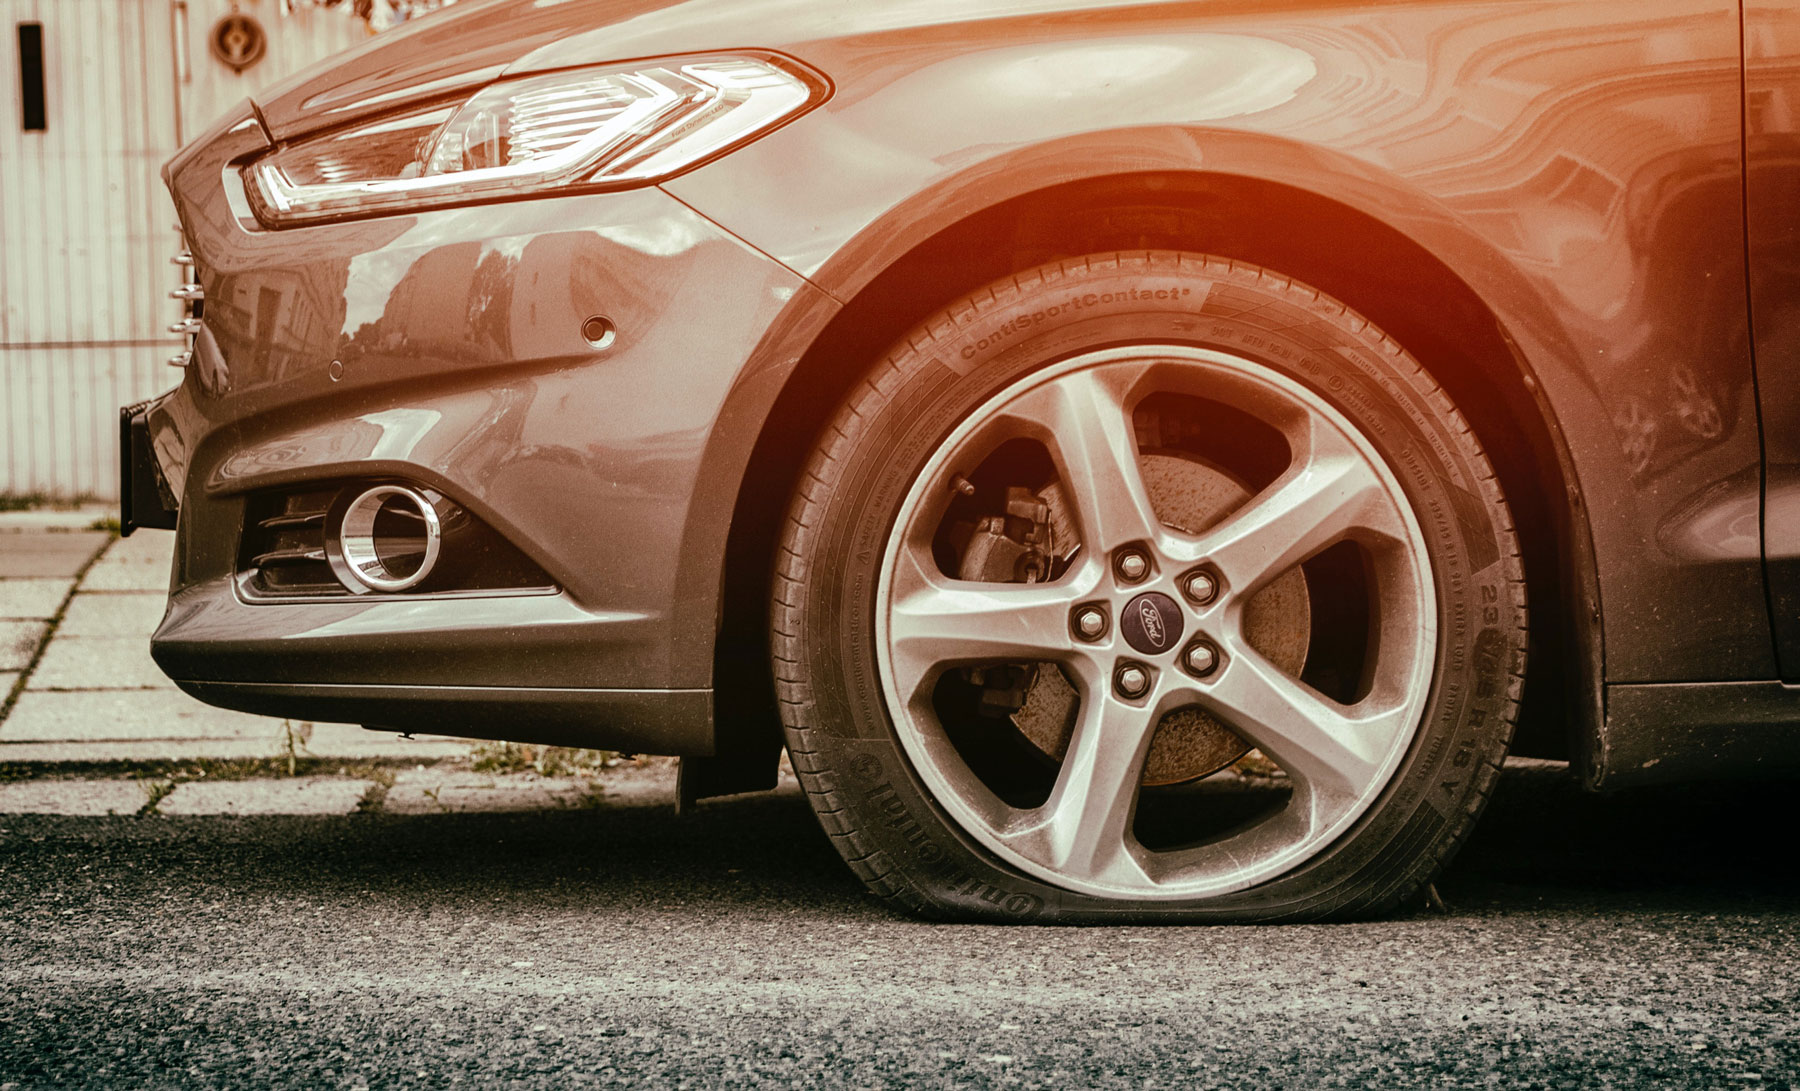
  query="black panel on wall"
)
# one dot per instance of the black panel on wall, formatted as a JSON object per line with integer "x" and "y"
{"x": 31, "y": 77}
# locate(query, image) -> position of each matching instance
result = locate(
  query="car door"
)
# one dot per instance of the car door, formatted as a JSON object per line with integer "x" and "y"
{"x": 1772, "y": 217}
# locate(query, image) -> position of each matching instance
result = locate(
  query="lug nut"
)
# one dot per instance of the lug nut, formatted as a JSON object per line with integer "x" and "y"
{"x": 1132, "y": 682}
{"x": 1090, "y": 622}
{"x": 1134, "y": 566}
{"x": 1200, "y": 588}
{"x": 1200, "y": 658}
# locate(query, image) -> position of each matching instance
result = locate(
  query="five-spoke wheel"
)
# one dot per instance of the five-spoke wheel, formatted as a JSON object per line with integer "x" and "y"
{"x": 1178, "y": 640}
{"x": 1148, "y": 584}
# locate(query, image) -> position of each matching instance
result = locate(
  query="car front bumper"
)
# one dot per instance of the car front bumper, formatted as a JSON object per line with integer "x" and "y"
{"x": 446, "y": 349}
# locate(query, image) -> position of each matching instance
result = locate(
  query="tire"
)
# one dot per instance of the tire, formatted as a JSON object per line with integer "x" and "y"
{"x": 1174, "y": 465}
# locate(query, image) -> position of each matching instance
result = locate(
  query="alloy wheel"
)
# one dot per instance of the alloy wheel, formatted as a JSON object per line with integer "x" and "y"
{"x": 1146, "y": 620}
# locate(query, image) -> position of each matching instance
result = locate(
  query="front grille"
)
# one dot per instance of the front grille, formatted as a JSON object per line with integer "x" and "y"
{"x": 282, "y": 554}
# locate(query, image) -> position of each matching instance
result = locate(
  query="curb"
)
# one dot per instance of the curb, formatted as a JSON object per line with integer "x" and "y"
{"x": 445, "y": 789}
{"x": 76, "y": 518}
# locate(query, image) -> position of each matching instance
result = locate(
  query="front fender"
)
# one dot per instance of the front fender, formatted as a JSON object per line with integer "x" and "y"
{"x": 1579, "y": 173}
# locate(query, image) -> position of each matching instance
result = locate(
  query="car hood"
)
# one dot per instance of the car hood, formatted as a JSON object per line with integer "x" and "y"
{"x": 454, "y": 49}
{"x": 479, "y": 40}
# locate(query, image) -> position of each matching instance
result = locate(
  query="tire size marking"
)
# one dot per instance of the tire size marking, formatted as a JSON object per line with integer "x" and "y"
{"x": 1489, "y": 647}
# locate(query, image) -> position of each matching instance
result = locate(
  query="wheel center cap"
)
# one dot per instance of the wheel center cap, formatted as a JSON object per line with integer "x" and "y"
{"x": 1151, "y": 623}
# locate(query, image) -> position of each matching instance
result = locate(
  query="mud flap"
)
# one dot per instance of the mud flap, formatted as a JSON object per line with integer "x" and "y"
{"x": 145, "y": 499}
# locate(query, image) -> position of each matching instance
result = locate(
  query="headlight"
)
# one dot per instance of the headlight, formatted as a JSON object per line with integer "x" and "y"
{"x": 609, "y": 127}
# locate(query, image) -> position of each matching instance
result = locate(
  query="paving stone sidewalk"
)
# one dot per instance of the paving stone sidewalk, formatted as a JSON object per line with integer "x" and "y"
{"x": 77, "y": 684}
{"x": 90, "y": 726}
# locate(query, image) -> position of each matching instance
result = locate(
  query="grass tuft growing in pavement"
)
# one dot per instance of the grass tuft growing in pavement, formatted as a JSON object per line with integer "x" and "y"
{"x": 157, "y": 791}
{"x": 546, "y": 761}
{"x": 376, "y": 795}
{"x": 294, "y": 738}
{"x": 183, "y": 770}
{"x": 37, "y": 501}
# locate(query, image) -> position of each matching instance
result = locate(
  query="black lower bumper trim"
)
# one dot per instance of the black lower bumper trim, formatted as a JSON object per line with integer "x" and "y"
{"x": 142, "y": 494}
{"x": 1661, "y": 734}
{"x": 645, "y": 721}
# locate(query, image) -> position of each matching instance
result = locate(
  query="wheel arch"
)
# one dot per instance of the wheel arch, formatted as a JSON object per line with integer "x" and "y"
{"x": 1366, "y": 262}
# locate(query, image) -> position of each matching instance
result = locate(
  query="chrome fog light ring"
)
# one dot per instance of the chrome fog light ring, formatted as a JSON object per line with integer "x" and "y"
{"x": 373, "y": 544}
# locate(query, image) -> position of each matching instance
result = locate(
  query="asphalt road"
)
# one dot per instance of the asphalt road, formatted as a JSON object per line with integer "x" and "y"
{"x": 1641, "y": 940}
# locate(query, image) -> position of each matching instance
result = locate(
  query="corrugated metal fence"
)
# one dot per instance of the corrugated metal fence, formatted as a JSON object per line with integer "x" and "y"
{"x": 85, "y": 224}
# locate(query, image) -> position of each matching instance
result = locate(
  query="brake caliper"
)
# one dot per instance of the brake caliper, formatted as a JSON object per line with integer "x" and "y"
{"x": 1016, "y": 547}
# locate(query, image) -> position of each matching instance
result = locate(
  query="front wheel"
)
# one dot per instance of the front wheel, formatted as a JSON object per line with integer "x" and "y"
{"x": 1148, "y": 585}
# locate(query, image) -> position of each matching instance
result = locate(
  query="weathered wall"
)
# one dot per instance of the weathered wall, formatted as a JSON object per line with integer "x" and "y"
{"x": 85, "y": 225}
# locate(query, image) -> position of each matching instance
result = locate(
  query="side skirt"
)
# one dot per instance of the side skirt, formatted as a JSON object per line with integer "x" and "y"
{"x": 1657, "y": 734}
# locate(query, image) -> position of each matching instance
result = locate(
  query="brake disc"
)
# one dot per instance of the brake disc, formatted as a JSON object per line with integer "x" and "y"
{"x": 1190, "y": 496}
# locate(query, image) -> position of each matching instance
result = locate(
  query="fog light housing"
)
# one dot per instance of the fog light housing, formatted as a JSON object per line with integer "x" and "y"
{"x": 294, "y": 549}
{"x": 386, "y": 538}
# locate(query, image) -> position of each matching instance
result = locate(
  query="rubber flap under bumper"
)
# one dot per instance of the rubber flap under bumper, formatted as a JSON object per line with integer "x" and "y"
{"x": 145, "y": 499}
